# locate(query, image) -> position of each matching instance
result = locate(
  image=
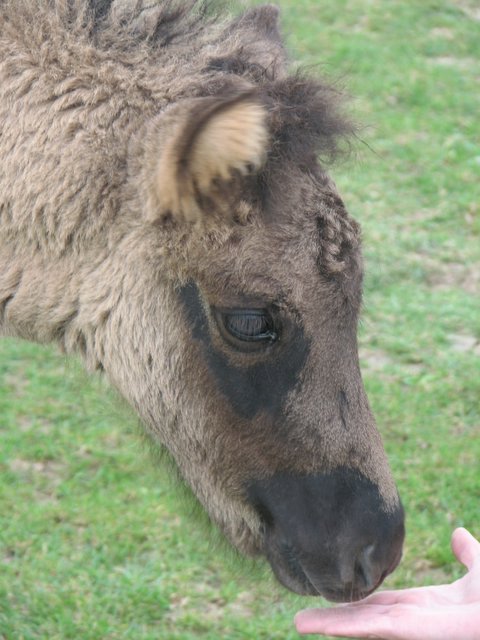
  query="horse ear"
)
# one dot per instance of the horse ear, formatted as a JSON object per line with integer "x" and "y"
{"x": 213, "y": 140}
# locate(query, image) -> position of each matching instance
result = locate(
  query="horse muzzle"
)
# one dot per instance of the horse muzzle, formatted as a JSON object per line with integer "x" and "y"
{"x": 328, "y": 534}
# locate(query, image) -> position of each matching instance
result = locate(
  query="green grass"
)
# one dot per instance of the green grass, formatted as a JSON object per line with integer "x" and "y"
{"x": 94, "y": 541}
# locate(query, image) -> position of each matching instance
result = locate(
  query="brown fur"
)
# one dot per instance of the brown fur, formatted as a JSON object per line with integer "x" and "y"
{"x": 120, "y": 125}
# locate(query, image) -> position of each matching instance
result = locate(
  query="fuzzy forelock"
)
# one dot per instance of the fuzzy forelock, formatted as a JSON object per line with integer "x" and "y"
{"x": 126, "y": 23}
{"x": 158, "y": 23}
{"x": 306, "y": 113}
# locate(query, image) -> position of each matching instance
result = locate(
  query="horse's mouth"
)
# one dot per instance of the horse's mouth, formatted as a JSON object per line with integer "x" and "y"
{"x": 296, "y": 576}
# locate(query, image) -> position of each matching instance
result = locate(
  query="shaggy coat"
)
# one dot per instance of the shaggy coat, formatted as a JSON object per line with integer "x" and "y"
{"x": 164, "y": 215}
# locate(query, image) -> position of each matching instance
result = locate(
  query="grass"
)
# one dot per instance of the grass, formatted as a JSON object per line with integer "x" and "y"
{"x": 94, "y": 540}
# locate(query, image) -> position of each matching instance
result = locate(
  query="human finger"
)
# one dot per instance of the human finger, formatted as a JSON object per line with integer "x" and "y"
{"x": 465, "y": 547}
{"x": 360, "y": 621}
{"x": 415, "y": 595}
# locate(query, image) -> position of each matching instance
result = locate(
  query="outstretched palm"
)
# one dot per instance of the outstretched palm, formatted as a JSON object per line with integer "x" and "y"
{"x": 427, "y": 613}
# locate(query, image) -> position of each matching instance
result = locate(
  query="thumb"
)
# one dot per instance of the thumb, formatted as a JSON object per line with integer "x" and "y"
{"x": 465, "y": 547}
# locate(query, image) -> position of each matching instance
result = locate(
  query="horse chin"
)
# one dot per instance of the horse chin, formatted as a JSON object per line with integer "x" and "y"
{"x": 296, "y": 579}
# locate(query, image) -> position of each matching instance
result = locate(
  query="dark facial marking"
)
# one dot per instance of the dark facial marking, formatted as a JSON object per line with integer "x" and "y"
{"x": 260, "y": 387}
{"x": 343, "y": 403}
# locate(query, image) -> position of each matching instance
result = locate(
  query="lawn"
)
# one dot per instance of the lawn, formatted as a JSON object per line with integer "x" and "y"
{"x": 95, "y": 540}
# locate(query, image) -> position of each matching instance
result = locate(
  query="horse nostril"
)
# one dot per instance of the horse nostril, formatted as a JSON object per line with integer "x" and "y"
{"x": 366, "y": 571}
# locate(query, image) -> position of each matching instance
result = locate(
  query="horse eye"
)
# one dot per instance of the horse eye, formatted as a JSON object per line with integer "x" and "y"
{"x": 248, "y": 325}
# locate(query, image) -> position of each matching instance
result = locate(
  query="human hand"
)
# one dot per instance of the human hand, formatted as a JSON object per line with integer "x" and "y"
{"x": 426, "y": 613}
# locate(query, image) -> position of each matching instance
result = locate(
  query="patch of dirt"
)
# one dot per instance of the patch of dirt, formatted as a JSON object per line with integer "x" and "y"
{"x": 177, "y": 605}
{"x": 39, "y": 425}
{"x": 17, "y": 383}
{"x": 242, "y": 606}
{"x": 452, "y": 61}
{"x": 414, "y": 368}
{"x": 464, "y": 343}
{"x": 213, "y": 608}
{"x": 454, "y": 274}
{"x": 374, "y": 360}
{"x": 469, "y": 8}
{"x": 443, "y": 32}
{"x": 46, "y": 476}
{"x": 8, "y": 557}
{"x": 50, "y": 469}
